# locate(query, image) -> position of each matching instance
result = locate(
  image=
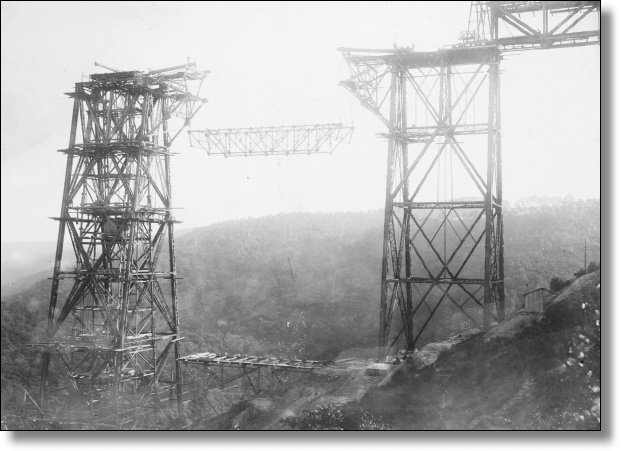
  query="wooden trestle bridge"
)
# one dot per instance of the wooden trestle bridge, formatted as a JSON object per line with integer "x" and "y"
{"x": 211, "y": 389}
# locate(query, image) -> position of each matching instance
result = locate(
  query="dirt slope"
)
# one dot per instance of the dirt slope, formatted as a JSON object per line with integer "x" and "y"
{"x": 532, "y": 371}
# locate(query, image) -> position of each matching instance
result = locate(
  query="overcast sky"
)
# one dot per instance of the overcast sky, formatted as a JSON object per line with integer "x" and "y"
{"x": 272, "y": 64}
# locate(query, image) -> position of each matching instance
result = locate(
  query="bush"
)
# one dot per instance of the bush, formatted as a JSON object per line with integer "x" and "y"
{"x": 370, "y": 422}
{"x": 331, "y": 418}
{"x": 323, "y": 418}
{"x": 593, "y": 266}
{"x": 557, "y": 284}
{"x": 580, "y": 273}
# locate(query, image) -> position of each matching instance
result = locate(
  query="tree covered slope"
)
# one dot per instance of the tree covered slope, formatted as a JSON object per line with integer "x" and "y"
{"x": 307, "y": 284}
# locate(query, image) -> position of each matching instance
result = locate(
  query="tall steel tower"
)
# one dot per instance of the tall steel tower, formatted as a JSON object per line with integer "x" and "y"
{"x": 111, "y": 334}
{"x": 443, "y": 227}
{"x": 443, "y": 208}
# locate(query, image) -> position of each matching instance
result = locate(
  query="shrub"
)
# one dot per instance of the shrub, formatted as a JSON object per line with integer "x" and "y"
{"x": 323, "y": 418}
{"x": 557, "y": 284}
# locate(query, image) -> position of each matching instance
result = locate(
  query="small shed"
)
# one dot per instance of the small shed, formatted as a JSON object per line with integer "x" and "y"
{"x": 533, "y": 300}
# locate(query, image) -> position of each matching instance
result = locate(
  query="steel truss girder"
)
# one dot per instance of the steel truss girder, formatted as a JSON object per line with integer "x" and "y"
{"x": 263, "y": 141}
{"x": 436, "y": 249}
{"x": 531, "y": 25}
{"x": 111, "y": 337}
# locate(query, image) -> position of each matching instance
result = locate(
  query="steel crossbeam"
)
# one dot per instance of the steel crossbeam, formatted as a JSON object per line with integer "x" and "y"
{"x": 531, "y": 25}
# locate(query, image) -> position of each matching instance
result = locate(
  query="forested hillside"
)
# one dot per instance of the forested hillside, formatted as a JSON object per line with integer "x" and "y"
{"x": 302, "y": 283}
{"x": 306, "y": 284}
{"x": 25, "y": 263}
{"x": 309, "y": 283}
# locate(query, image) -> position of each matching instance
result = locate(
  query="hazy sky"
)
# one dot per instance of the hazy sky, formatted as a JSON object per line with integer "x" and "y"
{"x": 272, "y": 64}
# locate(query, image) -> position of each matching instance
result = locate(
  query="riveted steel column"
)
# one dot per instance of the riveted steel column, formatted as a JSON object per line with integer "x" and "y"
{"x": 387, "y": 212}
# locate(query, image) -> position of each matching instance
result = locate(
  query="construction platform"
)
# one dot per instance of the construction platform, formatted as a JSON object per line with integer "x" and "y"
{"x": 213, "y": 358}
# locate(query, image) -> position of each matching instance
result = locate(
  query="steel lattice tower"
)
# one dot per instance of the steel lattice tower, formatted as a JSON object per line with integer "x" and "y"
{"x": 442, "y": 114}
{"x": 441, "y": 111}
{"x": 111, "y": 336}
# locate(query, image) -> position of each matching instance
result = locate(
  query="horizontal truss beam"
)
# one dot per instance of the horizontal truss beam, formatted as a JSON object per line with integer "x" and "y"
{"x": 532, "y": 25}
{"x": 263, "y": 141}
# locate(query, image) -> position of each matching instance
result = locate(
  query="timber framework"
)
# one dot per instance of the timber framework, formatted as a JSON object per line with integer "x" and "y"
{"x": 113, "y": 325}
{"x": 217, "y": 380}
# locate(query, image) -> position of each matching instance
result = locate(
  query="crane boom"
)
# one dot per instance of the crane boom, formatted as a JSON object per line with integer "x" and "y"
{"x": 284, "y": 140}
